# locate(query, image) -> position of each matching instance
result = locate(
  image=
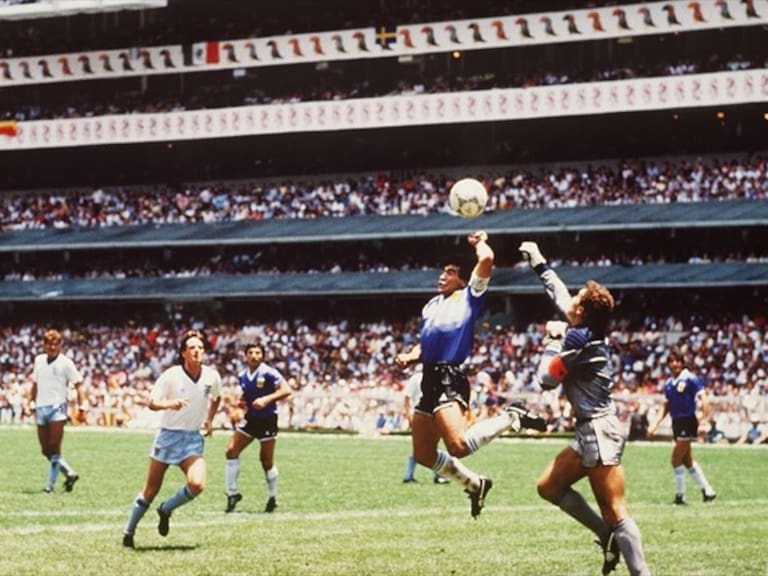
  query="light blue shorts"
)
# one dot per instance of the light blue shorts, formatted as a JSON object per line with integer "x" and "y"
{"x": 175, "y": 446}
{"x": 47, "y": 414}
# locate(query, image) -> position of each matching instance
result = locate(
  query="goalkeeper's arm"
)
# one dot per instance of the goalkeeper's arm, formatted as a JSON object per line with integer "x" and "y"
{"x": 553, "y": 367}
{"x": 554, "y": 286}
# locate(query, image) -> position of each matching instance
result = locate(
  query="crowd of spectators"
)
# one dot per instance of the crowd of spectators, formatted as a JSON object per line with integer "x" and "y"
{"x": 644, "y": 181}
{"x": 344, "y": 378}
{"x": 78, "y": 100}
{"x": 138, "y": 264}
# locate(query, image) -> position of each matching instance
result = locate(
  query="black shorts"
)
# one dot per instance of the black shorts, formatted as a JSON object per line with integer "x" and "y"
{"x": 258, "y": 428}
{"x": 686, "y": 428}
{"x": 442, "y": 384}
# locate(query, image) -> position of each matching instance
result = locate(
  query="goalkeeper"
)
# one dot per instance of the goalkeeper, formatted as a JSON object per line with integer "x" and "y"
{"x": 576, "y": 355}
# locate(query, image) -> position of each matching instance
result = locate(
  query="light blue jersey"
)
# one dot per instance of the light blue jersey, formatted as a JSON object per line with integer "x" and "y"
{"x": 448, "y": 323}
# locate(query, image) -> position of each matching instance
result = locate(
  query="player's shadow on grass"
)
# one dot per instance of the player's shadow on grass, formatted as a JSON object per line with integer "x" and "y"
{"x": 168, "y": 548}
{"x": 35, "y": 491}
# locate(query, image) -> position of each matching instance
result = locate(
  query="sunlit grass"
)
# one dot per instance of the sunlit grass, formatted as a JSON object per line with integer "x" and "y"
{"x": 344, "y": 511}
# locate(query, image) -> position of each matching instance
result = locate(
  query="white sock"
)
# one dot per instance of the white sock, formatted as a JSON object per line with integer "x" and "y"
{"x": 65, "y": 467}
{"x": 450, "y": 467}
{"x": 483, "y": 431}
{"x": 680, "y": 480}
{"x": 231, "y": 474}
{"x": 701, "y": 480}
{"x": 272, "y": 475}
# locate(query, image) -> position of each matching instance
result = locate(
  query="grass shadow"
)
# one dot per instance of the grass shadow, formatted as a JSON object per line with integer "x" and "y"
{"x": 167, "y": 548}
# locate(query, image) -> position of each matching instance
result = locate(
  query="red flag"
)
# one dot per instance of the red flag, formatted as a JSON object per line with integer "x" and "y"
{"x": 9, "y": 128}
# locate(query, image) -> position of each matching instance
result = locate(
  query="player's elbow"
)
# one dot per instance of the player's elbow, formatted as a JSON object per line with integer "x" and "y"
{"x": 546, "y": 382}
{"x": 552, "y": 371}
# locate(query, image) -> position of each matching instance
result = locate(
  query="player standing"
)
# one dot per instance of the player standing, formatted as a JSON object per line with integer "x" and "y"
{"x": 262, "y": 387}
{"x": 446, "y": 340}
{"x": 682, "y": 391}
{"x": 188, "y": 394}
{"x": 577, "y": 357}
{"x": 52, "y": 374}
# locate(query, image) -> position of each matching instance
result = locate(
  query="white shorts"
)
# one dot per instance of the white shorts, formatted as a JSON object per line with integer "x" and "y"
{"x": 44, "y": 415}
{"x": 598, "y": 441}
{"x": 175, "y": 446}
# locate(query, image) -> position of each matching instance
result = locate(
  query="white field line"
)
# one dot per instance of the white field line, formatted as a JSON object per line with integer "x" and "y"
{"x": 219, "y": 518}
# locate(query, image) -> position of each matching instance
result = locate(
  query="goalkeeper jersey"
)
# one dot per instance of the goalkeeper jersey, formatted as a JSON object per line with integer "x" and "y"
{"x": 589, "y": 379}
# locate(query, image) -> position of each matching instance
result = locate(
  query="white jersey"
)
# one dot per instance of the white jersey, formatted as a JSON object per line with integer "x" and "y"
{"x": 175, "y": 384}
{"x": 53, "y": 379}
{"x": 413, "y": 388}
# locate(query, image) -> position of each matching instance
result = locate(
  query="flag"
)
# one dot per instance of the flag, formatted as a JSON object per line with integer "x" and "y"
{"x": 9, "y": 128}
{"x": 386, "y": 36}
{"x": 201, "y": 53}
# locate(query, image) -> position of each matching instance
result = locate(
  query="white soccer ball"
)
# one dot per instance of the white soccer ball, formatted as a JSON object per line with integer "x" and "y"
{"x": 468, "y": 197}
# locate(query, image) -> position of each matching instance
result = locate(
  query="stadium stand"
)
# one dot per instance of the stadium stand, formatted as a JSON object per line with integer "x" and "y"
{"x": 95, "y": 207}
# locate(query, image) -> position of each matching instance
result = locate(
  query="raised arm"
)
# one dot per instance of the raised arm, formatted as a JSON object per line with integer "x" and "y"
{"x": 554, "y": 286}
{"x": 484, "y": 253}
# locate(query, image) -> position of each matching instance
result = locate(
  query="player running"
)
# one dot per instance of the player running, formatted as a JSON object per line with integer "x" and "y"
{"x": 188, "y": 394}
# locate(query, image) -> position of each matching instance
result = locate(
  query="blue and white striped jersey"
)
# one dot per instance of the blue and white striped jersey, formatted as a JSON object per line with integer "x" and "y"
{"x": 448, "y": 323}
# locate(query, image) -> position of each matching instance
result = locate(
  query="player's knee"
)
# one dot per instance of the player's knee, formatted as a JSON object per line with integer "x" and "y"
{"x": 231, "y": 454}
{"x": 457, "y": 447}
{"x": 196, "y": 486}
{"x": 547, "y": 491}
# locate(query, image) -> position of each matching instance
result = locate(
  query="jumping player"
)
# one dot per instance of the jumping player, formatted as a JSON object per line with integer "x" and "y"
{"x": 446, "y": 340}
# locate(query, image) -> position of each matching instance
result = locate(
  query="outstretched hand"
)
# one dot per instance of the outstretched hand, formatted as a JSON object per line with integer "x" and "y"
{"x": 556, "y": 329}
{"x": 475, "y": 237}
{"x": 531, "y": 253}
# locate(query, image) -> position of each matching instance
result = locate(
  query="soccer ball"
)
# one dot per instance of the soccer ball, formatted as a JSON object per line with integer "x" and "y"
{"x": 468, "y": 197}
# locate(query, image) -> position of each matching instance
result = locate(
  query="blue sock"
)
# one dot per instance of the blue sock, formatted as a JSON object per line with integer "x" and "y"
{"x": 182, "y": 496}
{"x": 53, "y": 472}
{"x": 140, "y": 506}
{"x": 410, "y": 468}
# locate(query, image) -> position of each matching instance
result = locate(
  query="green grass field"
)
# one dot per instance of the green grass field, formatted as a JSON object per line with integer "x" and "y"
{"x": 344, "y": 511}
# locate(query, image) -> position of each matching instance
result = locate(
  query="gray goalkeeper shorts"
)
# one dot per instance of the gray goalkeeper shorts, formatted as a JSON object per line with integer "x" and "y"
{"x": 600, "y": 440}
